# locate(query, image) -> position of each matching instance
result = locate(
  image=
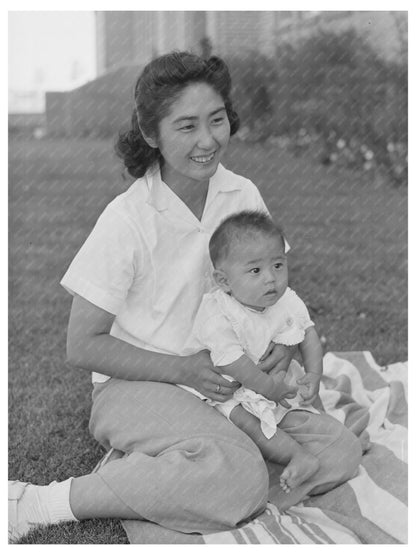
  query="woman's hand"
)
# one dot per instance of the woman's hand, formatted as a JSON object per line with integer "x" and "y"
{"x": 276, "y": 358}
{"x": 200, "y": 374}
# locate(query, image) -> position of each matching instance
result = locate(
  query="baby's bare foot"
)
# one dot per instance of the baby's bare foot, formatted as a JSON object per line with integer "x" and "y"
{"x": 302, "y": 466}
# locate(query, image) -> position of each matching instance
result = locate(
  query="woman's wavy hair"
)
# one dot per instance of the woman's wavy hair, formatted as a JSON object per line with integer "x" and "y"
{"x": 159, "y": 85}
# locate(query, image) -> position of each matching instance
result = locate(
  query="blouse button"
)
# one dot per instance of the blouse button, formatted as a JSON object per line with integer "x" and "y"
{"x": 289, "y": 321}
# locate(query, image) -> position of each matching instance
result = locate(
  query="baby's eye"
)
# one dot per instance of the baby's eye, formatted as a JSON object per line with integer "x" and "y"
{"x": 254, "y": 270}
{"x": 278, "y": 265}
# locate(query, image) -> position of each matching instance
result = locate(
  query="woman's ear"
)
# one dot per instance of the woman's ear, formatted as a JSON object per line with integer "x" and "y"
{"x": 149, "y": 140}
{"x": 221, "y": 279}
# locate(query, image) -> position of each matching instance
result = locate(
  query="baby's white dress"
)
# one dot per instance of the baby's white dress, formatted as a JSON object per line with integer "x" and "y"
{"x": 229, "y": 330}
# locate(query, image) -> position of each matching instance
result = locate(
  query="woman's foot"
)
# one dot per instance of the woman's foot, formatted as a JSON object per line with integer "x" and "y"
{"x": 31, "y": 506}
{"x": 22, "y": 511}
{"x": 302, "y": 466}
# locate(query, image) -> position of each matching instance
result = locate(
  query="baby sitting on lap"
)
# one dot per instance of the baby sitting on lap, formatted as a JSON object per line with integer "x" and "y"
{"x": 251, "y": 306}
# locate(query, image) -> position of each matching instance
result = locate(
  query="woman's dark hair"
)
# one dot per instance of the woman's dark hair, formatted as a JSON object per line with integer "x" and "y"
{"x": 159, "y": 85}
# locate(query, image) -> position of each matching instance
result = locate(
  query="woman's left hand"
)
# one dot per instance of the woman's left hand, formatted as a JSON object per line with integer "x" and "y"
{"x": 276, "y": 358}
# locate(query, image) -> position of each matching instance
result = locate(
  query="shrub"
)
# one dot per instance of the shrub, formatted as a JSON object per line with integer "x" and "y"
{"x": 254, "y": 88}
{"x": 333, "y": 85}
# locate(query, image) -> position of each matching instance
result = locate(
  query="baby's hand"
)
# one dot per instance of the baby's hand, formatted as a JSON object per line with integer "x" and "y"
{"x": 309, "y": 387}
{"x": 282, "y": 390}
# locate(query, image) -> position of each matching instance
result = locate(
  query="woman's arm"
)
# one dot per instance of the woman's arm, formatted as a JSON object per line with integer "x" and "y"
{"x": 247, "y": 373}
{"x": 89, "y": 346}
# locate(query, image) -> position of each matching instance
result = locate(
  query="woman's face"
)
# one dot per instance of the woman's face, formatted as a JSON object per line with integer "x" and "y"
{"x": 193, "y": 136}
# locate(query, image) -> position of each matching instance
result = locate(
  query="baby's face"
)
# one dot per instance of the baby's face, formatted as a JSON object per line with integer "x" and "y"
{"x": 256, "y": 271}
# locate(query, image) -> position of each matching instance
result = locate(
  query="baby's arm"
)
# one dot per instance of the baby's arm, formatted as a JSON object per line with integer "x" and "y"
{"x": 311, "y": 351}
{"x": 246, "y": 372}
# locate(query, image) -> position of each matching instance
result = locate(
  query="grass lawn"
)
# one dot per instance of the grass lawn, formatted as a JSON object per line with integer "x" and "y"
{"x": 348, "y": 234}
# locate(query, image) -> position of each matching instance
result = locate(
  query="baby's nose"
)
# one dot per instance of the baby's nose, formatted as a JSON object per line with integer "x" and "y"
{"x": 268, "y": 277}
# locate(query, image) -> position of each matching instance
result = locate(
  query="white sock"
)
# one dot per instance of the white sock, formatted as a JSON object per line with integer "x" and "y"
{"x": 56, "y": 499}
{"x": 48, "y": 504}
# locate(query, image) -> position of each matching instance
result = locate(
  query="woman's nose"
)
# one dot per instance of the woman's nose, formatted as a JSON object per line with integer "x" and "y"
{"x": 205, "y": 138}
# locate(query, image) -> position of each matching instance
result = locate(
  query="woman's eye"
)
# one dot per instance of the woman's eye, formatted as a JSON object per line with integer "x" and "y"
{"x": 217, "y": 121}
{"x": 187, "y": 127}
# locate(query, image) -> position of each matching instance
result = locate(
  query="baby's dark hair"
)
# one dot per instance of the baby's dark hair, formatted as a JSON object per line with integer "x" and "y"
{"x": 158, "y": 86}
{"x": 236, "y": 227}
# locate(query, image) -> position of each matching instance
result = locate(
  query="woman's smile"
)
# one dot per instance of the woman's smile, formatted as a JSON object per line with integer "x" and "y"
{"x": 203, "y": 159}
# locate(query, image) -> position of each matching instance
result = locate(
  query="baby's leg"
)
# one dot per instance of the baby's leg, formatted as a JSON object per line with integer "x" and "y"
{"x": 299, "y": 464}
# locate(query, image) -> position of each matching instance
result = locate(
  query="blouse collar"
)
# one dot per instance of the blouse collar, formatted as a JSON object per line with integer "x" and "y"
{"x": 160, "y": 195}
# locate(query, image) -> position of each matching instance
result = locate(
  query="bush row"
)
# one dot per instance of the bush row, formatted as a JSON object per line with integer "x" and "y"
{"x": 331, "y": 87}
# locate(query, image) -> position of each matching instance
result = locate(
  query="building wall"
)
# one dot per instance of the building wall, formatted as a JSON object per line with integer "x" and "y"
{"x": 144, "y": 31}
{"x": 119, "y": 31}
{"x": 173, "y": 31}
{"x": 238, "y": 31}
{"x": 128, "y": 40}
{"x": 125, "y": 38}
{"x": 100, "y": 37}
{"x": 116, "y": 40}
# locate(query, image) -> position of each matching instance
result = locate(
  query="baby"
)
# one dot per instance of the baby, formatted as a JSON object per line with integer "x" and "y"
{"x": 251, "y": 306}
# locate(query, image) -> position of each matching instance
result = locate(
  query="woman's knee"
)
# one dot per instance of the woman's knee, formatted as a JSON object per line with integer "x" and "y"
{"x": 350, "y": 445}
{"x": 342, "y": 457}
{"x": 337, "y": 448}
{"x": 238, "y": 484}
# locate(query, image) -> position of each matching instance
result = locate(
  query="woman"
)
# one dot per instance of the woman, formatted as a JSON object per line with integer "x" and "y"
{"x": 137, "y": 283}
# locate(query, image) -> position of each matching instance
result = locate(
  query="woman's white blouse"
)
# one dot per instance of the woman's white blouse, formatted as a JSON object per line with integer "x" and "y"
{"x": 146, "y": 260}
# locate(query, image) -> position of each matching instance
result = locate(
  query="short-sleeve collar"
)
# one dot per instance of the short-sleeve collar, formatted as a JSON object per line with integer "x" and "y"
{"x": 160, "y": 195}
{"x": 157, "y": 196}
{"x": 224, "y": 181}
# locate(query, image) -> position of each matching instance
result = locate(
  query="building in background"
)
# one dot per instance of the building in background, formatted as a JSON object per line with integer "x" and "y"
{"x": 126, "y": 38}
{"x": 133, "y": 38}
{"x": 125, "y": 41}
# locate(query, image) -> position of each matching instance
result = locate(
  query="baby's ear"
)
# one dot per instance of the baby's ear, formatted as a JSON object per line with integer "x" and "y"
{"x": 220, "y": 278}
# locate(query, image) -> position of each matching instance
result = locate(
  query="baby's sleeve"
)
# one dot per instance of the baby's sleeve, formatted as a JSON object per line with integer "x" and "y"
{"x": 215, "y": 333}
{"x": 108, "y": 262}
{"x": 296, "y": 319}
{"x": 300, "y": 311}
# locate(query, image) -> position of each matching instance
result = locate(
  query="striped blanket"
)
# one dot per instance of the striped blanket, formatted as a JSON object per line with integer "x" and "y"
{"x": 372, "y": 507}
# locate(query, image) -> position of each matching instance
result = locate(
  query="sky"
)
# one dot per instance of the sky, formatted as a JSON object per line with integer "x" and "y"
{"x": 51, "y": 50}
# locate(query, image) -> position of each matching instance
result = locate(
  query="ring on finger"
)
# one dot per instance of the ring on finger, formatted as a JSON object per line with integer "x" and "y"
{"x": 218, "y": 389}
